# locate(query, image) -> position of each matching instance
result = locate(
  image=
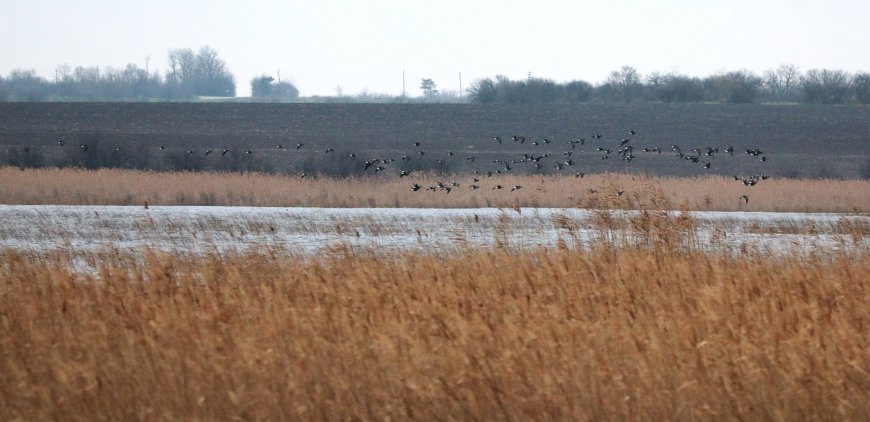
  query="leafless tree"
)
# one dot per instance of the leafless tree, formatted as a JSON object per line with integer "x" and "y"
{"x": 738, "y": 86}
{"x": 577, "y": 91}
{"x": 861, "y": 87}
{"x": 782, "y": 82}
{"x": 625, "y": 76}
{"x": 624, "y": 84}
{"x": 826, "y": 86}
{"x": 789, "y": 75}
{"x": 182, "y": 62}
{"x": 63, "y": 73}
{"x": 483, "y": 91}
{"x": 674, "y": 87}
{"x": 208, "y": 64}
{"x": 199, "y": 73}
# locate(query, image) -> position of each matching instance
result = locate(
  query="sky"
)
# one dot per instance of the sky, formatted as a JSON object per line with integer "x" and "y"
{"x": 366, "y": 46}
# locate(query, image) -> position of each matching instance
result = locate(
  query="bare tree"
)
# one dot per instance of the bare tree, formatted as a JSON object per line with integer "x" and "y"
{"x": 782, "y": 81}
{"x": 510, "y": 91}
{"x": 773, "y": 84}
{"x": 826, "y": 86}
{"x": 674, "y": 87}
{"x": 200, "y": 73}
{"x": 62, "y": 73}
{"x": 789, "y": 76}
{"x": 625, "y": 76}
{"x": 86, "y": 75}
{"x": 739, "y": 86}
{"x": 861, "y": 87}
{"x": 655, "y": 78}
{"x": 483, "y": 91}
{"x": 182, "y": 64}
{"x": 577, "y": 91}
{"x": 28, "y": 86}
{"x": 213, "y": 77}
{"x": 625, "y": 83}
{"x": 209, "y": 66}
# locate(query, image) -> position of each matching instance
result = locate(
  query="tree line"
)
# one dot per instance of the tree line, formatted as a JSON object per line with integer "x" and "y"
{"x": 190, "y": 73}
{"x": 203, "y": 73}
{"x": 783, "y": 84}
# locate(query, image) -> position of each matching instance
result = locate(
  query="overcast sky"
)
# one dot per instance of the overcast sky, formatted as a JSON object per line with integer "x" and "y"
{"x": 365, "y": 45}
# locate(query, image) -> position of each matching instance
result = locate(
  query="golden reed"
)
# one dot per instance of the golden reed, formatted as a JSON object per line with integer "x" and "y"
{"x": 604, "y": 333}
{"x": 132, "y": 187}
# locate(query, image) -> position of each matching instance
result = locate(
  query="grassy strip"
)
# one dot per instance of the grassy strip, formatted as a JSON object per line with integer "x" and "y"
{"x": 129, "y": 187}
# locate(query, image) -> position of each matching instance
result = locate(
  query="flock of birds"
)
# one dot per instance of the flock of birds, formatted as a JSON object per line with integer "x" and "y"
{"x": 620, "y": 149}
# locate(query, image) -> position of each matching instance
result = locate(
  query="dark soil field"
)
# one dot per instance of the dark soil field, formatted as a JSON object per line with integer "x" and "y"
{"x": 798, "y": 140}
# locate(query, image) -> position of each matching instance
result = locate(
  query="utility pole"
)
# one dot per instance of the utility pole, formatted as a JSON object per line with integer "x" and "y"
{"x": 279, "y": 76}
{"x": 147, "y": 62}
{"x": 403, "y": 83}
{"x": 460, "y": 85}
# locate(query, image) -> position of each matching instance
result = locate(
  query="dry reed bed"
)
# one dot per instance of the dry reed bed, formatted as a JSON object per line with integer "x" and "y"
{"x": 129, "y": 187}
{"x": 651, "y": 333}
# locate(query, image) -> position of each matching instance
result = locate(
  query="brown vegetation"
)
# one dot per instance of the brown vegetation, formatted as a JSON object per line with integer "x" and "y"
{"x": 645, "y": 332}
{"x": 129, "y": 187}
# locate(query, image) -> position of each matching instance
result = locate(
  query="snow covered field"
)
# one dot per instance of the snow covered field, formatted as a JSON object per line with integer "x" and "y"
{"x": 89, "y": 229}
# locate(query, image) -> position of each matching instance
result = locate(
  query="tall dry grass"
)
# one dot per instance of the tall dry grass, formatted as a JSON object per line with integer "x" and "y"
{"x": 128, "y": 187}
{"x": 638, "y": 333}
